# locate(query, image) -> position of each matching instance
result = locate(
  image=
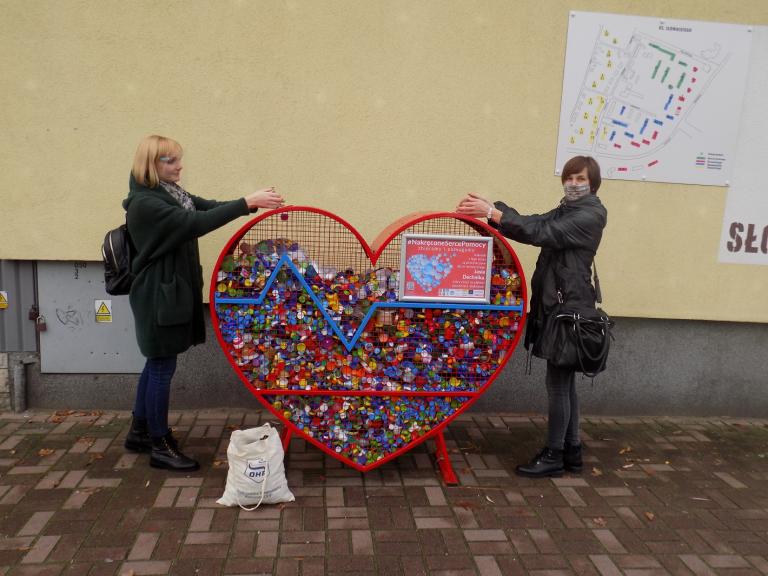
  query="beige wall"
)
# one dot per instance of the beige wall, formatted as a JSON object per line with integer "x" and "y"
{"x": 368, "y": 109}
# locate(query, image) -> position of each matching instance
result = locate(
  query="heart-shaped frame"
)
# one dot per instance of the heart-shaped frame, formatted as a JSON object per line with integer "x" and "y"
{"x": 307, "y": 314}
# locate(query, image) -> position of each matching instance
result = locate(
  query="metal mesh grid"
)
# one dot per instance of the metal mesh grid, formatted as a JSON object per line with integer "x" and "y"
{"x": 323, "y": 240}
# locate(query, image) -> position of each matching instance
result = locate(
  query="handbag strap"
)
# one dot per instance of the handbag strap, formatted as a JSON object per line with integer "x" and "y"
{"x": 595, "y": 279}
{"x": 598, "y": 293}
{"x": 602, "y": 357}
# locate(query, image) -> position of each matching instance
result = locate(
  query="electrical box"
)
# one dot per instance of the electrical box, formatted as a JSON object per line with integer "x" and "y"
{"x": 84, "y": 329}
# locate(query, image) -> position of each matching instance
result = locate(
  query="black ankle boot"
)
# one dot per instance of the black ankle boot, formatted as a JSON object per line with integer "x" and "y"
{"x": 138, "y": 438}
{"x": 572, "y": 458}
{"x": 166, "y": 454}
{"x": 548, "y": 462}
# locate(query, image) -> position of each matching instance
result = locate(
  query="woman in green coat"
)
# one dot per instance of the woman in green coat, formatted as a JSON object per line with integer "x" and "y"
{"x": 164, "y": 222}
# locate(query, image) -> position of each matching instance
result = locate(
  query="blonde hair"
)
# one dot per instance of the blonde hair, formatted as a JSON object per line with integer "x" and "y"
{"x": 150, "y": 149}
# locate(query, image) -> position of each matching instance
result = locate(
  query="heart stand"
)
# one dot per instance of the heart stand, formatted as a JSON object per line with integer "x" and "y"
{"x": 317, "y": 325}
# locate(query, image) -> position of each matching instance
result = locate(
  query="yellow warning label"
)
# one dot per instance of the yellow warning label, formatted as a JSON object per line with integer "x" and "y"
{"x": 3, "y": 299}
{"x": 103, "y": 310}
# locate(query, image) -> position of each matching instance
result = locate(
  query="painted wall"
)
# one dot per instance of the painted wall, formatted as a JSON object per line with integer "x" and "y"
{"x": 368, "y": 109}
{"x": 656, "y": 367}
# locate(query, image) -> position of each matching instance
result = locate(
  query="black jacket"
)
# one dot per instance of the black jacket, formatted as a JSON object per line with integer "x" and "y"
{"x": 568, "y": 237}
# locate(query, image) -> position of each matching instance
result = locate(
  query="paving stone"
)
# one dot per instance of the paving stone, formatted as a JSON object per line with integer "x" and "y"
{"x": 73, "y": 502}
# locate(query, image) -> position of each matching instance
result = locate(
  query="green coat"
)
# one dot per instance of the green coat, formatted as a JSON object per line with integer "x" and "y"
{"x": 167, "y": 295}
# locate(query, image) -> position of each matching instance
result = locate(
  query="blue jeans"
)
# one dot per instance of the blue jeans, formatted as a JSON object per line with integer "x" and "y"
{"x": 153, "y": 394}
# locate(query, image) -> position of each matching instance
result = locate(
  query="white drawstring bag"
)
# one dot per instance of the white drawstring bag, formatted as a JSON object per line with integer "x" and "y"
{"x": 256, "y": 473}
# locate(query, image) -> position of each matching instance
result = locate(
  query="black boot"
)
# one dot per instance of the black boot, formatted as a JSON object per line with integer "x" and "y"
{"x": 548, "y": 462}
{"x": 166, "y": 454}
{"x": 138, "y": 438}
{"x": 572, "y": 458}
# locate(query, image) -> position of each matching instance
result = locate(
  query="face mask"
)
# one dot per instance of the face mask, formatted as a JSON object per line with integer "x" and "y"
{"x": 573, "y": 192}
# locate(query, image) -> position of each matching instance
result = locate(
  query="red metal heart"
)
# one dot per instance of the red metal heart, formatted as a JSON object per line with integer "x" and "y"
{"x": 315, "y": 331}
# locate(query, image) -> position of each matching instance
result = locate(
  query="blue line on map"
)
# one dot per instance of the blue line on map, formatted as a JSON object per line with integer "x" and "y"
{"x": 622, "y": 110}
{"x": 286, "y": 261}
{"x": 659, "y": 122}
{"x": 669, "y": 100}
{"x": 624, "y": 124}
{"x": 670, "y": 117}
{"x": 644, "y": 126}
{"x": 629, "y": 134}
{"x": 612, "y": 135}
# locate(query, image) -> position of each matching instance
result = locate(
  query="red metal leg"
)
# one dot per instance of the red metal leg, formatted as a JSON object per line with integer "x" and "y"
{"x": 444, "y": 461}
{"x": 286, "y": 438}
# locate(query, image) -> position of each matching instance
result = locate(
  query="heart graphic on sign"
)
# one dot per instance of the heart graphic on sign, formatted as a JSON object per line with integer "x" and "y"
{"x": 429, "y": 271}
{"x": 309, "y": 317}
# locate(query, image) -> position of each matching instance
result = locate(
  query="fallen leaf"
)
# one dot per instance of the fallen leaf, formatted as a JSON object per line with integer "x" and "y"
{"x": 597, "y": 472}
{"x": 600, "y": 521}
{"x": 650, "y": 516}
{"x": 218, "y": 463}
{"x": 45, "y": 452}
{"x": 628, "y": 465}
{"x": 625, "y": 450}
{"x": 147, "y": 484}
{"x": 93, "y": 457}
{"x": 490, "y": 499}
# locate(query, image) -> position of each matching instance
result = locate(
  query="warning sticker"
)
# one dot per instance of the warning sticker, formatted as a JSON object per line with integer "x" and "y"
{"x": 103, "y": 310}
{"x": 3, "y": 300}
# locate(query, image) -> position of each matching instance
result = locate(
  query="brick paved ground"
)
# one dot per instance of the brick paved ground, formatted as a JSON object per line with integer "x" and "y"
{"x": 658, "y": 496}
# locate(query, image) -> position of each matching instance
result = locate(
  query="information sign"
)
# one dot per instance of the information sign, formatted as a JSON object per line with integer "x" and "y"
{"x": 445, "y": 268}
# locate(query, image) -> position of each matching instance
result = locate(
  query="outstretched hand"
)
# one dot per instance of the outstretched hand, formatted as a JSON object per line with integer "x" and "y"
{"x": 264, "y": 198}
{"x": 474, "y": 205}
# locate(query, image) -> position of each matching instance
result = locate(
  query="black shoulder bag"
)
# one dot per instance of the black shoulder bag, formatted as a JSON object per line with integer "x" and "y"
{"x": 577, "y": 336}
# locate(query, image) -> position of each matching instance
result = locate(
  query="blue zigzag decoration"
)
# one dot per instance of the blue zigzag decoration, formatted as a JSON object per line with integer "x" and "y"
{"x": 349, "y": 344}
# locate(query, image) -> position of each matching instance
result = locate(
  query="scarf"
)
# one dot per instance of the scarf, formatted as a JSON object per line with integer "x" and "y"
{"x": 179, "y": 194}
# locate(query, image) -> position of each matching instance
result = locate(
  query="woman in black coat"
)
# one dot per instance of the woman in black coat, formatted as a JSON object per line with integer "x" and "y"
{"x": 165, "y": 221}
{"x": 568, "y": 237}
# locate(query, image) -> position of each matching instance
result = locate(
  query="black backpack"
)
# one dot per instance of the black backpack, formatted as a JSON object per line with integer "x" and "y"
{"x": 118, "y": 251}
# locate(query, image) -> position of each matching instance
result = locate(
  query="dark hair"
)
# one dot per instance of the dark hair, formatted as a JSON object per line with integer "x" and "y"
{"x": 577, "y": 164}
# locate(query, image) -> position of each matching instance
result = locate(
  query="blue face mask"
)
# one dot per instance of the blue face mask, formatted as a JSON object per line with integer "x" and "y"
{"x": 574, "y": 192}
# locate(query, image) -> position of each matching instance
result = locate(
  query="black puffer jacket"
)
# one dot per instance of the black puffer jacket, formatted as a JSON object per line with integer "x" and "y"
{"x": 568, "y": 237}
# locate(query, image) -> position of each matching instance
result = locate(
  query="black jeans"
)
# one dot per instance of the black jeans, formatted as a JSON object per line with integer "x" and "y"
{"x": 563, "y": 423}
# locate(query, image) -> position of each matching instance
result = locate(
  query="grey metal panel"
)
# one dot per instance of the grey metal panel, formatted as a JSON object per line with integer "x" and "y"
{"x": 74, "y": 341}
{"x": 17, "y": 331}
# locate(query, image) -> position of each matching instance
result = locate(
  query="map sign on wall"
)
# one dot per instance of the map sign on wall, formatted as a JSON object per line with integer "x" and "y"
{"x": 653, "y": 99}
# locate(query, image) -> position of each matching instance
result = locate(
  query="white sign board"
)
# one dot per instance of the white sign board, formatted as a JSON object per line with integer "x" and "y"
{"x": 653, "y": 99}
{"x": 745, "y": 224}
